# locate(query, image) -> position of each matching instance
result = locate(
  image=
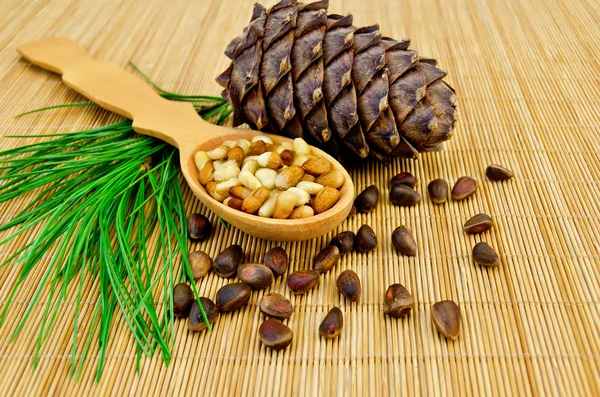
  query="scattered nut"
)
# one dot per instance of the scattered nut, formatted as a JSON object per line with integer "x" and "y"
{"x": 403, "y": 241}
{"x": 398, "y": 301}
{"x": 326, "y": 259}
{"x": 196, "y": 321}
{"x": 277, "y": 260}
{"x": 478, "y": 224}
{"x": 332, "y": 323}
{"x": 348, "y": 284}
{"x": 200, "y": 263}
{"x": 276, "y": 306}
{"x": 367, "y": 200}
{"x": 365, "y": 240}
{"x": 344, "y": 241}
{"x": 403, "y": 178}
{"x": 404, "y": 195}
{"x": 199, "y": 227}
{"x": 302, "y": 281}
{"x": 438, "y": 191}
{"x": 485, "y": 255}
{"x": 464, "y": 187}
{"x": 274, "y": 334}
{"x": 183, "y": 297}
{"x": 496, "y": 172}
{"x": 446, "y": 318}
{"x": 227, "y": 262}
{"x": 233, "y": 296}
{"x": 256, "y": 275}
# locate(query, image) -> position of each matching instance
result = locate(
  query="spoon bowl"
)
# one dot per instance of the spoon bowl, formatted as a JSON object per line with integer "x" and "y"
{"x": 178, "y": 124}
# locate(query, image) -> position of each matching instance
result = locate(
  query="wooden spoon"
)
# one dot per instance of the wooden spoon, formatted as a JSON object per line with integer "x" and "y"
{"x": 178, "y": 124}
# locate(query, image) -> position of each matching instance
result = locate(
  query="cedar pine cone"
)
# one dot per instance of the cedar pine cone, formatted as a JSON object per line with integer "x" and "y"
{"x": 299, "y": 72}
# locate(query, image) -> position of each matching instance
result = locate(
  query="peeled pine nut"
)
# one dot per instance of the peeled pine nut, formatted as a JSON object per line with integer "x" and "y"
{"x": 263, "y": 138}
{"x": 234, "y": 203}
{"x": 249, "y": 180}
{"x": 251, "y": 166}
{"x": 302, "y": 197}
{"x": 228, "y": 170}
{"x": 223, "y": 187}
{"x": 236, "y": 153}
{"x": 255, "y": 200}
{"x": 289, "y": 177}
{"x": 245, "y": 145}
{"x": 300, "y": 160}
{"x": 218, "y": 153}
{"x": 303, "y": 211}
{"x": 301, "y": 147}
{"x": 267, "y": 177}
{"x": 229, "y": 144}
{"x": 239, "y": 192}
{"x": 284, "y": 205}
{"x": 270, "y": 160}
{"x": 210, "y": 189}
{"x": 200, "y": 159}
{"x": 207, "y": 172}
{"x": 266, "y": 210}
{"x": 311, "y": 188}
{"x": 284, "y": 146}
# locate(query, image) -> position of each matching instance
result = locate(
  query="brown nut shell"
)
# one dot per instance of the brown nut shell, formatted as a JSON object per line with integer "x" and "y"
{"x": 367, "y": 200}
{"x": 464, "y": 187}
{"x": 183, "y": 297}
{"x": 274, "y": 334}
{"x": 365, "y": 240}
{"x": 302, "y": 281}
{"x": 256, "y": 275}
{"x": 496, "y": 172}
{"x": 348, "y": 284}
{"x": 199, "y": 227}
{"x": 326, "y": 259}
{"x": 404, "y": 195}
{"x": 446, "y": 318}
{"x": 403, "y": 178}
{"x": 478, "y": 224}
{"x": 200, "y": 263}
{"x": 332, "y": 323}
{"x": 344, "y": 241}
{"x": 277, "y": 260}
{"x": 438, "y": 191}
{"x": 398, "y": 301}
{"x": 485, "y": 255}
{"x": 196, "y": 321}
{"x": 403, "y": 241}
{"x": 276, "y": 306}
{"x": 233, "y": 296}
{"x": 228, "y": 261}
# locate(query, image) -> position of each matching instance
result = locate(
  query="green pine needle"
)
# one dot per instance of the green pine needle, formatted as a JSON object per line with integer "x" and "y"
{"x": 98, "y": 202}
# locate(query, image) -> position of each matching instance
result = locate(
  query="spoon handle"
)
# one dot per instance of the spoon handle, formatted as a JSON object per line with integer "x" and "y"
{"x": 114, "y": 89}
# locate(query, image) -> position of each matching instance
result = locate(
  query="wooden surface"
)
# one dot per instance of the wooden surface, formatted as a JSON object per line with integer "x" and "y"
{"x": 526, "y": 76}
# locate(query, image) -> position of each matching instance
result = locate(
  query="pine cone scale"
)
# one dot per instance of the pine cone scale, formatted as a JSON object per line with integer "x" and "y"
{"x": 298, "y": 71}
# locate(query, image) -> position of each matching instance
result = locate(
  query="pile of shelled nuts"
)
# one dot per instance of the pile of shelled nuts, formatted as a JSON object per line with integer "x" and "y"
{"x": 271, "y": 180}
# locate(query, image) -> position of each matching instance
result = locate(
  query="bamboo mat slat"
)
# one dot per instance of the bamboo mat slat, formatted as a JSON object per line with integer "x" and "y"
{"x": 526, "y": 75}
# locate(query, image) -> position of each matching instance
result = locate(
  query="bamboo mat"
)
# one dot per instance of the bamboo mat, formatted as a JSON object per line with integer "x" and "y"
{"x": 526, "y": 74}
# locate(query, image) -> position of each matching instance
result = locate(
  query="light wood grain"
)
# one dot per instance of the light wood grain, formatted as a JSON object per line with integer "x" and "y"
{"x": 526, "y": 76}
{"x": 178, "y": 124}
